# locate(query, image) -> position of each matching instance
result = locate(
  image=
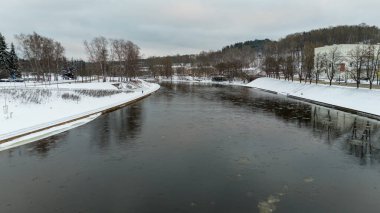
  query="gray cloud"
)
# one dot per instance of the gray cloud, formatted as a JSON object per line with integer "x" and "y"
{"x": 162, "y": 27}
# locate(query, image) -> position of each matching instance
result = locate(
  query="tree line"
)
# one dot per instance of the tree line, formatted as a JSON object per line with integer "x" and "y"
{"x": 113, "y": 57}
{"x": 44, "y": 59}
{"x": 41, "y": 56}
{"x": 291, "y": 57}
{"x": 229, "y": 61}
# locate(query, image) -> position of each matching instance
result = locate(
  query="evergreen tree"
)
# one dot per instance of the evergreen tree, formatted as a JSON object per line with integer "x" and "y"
{"x": 3, "y": 57}
{"x": 13, "y": 63}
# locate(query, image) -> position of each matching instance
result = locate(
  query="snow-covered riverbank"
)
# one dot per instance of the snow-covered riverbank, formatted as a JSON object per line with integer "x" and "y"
{"x": 31, "y": 109}
{"x": 190, "y": 79}
{"x": 361, "y": 100}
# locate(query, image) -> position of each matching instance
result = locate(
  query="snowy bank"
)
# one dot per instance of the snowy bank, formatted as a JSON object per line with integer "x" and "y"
{"x": 30, "y": 110}
{"x": 362, "y": 101}
{"x": 29, "y": 138}
{"x": 202, "y": 80}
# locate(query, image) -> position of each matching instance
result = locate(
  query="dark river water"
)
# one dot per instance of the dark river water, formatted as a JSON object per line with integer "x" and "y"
{"x": 201, "y": 148}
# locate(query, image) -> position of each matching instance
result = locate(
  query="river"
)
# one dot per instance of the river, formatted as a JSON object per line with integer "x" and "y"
{"x": 201, "y": 148}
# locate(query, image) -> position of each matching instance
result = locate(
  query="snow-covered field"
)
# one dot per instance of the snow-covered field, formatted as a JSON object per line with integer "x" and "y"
{"x": 363, "y": 100}
{"x": 31, "y": 108}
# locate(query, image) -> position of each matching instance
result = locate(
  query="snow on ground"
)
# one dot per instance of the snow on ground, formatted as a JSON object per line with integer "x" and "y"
{"x": 363, "y": 99}
{"x": 28, "y": 109}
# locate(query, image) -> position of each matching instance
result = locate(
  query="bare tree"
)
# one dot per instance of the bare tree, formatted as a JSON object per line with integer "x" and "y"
{"x": 30, "y": 54}
{"x": 320, "y": 65}
{"x": 309, "y": 62}
{"x": 297, "y": 64}
{"x": 47, "y": 57}
{"x": 373, "y": 55}
{"x": 59, "y": 57}
{"x": 98, "y": 53}
{"x": 153, "y": 66}
{"x": 167, "y": 67}
{"x": 356, "y": 57}
{"x": 132, "y": 54}
{"x": 126, "y": 54}
{"x": 42, "y": 53}
{"x": 334, "y": 58}
{"x": 118, "y": 55}
{"x": 297, "y": 51}
{"x": 248, "y": 56}
{"x": 289, "y": 68}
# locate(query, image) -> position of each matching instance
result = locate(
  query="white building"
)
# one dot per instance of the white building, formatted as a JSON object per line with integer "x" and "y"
{"x": 343, "y": 51}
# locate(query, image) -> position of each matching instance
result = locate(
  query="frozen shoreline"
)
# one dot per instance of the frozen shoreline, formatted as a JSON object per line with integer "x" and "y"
{"x": 361, "y": 101}
{"x": 189, "y": 79}
{"x": 23, "y": 119}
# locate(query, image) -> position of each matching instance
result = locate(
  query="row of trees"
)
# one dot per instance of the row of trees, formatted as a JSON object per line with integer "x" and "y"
{"x": 229, "y": 61}
{"x": 291, "y": 61}
{"x": 294, "y": 54}
{"x": 44, "y": 58}
{"x": 161, "y": 66}
{"x": 367, "y": 58}
{"x": 8, "y": 60}
{"x": 363, "y": 60}
{"x": 113, "y": 57}
{"x": 291, "y": 57}
{"x": 363, "y": 63}
{"x": 43, "y": 55}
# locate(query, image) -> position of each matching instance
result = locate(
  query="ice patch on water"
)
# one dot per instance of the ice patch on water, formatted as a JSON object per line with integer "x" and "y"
{"x": 308, "y": 179}
{"x": 269, "y": 205}
{"x": 244, "y": 161}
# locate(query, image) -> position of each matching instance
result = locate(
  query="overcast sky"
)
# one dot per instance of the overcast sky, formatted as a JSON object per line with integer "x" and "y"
{"x": 163, "y": 27}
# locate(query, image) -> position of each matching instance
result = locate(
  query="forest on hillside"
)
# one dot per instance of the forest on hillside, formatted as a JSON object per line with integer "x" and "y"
{"x": 292, "y": 55}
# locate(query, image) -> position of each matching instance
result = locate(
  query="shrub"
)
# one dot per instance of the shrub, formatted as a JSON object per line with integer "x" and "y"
{"x": 97, "y": 93}
{"x": 71, "y": 97}
{"x": 36, "y": 96}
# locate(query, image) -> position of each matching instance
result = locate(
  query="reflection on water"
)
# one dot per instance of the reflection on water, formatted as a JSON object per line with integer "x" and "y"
{"x": 359, "y": 136}
{"x": 42, "y": 147}
{"x": 359, "y": 133}
{"x": 201, "y": 148}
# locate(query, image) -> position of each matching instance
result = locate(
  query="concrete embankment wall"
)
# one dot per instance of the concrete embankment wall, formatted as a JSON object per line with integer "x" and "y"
{"x": 363, "y": 102}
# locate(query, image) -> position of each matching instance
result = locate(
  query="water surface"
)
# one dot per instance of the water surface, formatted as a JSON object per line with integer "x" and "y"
{"x": 201, "y": 148}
